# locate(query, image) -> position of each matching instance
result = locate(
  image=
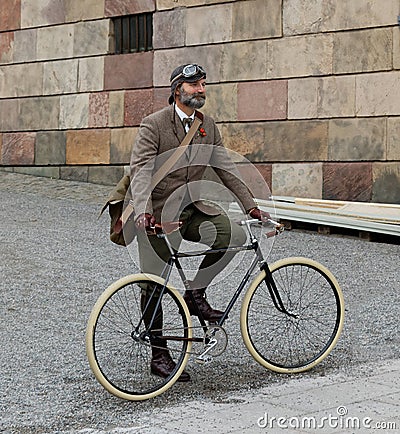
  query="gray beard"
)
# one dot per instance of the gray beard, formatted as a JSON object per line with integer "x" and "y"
{"x": 194, "y": 101}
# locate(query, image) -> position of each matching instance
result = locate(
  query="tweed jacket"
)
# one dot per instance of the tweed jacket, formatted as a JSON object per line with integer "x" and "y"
{"x": 159, "y": 135}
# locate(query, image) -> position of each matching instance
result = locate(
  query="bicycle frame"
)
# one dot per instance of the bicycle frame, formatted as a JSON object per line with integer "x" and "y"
{"x": 123, "y": 354}
{"x": 258, "y": 259}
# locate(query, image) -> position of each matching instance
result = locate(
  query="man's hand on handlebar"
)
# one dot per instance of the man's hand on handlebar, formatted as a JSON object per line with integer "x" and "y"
{"x": 257, "y": 213}
{"x": 145, "y": 221}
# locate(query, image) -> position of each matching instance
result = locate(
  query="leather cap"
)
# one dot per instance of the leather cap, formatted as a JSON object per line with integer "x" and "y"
{"x": 175, "y": 83}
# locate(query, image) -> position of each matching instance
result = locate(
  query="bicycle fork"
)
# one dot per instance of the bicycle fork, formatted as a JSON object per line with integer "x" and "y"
{"x": 274, "y": 293}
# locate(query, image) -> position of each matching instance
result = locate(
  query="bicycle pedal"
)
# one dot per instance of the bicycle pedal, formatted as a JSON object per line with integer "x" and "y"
{"x": 203, "y": 360}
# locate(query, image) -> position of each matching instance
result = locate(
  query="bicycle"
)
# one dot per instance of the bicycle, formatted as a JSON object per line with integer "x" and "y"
{"x": 291, "y": 318}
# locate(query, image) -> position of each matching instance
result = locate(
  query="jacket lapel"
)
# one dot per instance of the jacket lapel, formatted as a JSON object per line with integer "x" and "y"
{"x": 177, "y": 125}
{"x": 195, "y": 149}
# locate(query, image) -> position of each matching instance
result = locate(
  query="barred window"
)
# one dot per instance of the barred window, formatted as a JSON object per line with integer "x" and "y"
{"x": 133, "y": 33}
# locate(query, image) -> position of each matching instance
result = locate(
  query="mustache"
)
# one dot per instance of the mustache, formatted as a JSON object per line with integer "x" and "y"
{"x": 198, "y": 95}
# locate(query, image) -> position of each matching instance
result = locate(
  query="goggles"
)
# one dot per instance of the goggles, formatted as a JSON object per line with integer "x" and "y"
{"x": 189, "y": 71}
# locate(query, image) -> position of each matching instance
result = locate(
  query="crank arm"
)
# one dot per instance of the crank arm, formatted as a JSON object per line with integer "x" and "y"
{"x": 204, "y": 357}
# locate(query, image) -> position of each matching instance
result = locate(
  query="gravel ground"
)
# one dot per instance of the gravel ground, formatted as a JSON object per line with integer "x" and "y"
{"x": 56, "y": 259}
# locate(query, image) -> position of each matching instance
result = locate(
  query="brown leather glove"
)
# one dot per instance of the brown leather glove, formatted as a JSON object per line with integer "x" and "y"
{"x": 257, "y": 213}
{"x": 145, "y": 221}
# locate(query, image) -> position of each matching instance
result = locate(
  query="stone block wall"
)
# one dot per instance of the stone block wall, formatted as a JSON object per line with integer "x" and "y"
{"x": 306, "y": 89}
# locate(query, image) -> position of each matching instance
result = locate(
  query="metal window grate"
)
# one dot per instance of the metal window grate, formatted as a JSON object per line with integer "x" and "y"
{"x": 133, "y": 33}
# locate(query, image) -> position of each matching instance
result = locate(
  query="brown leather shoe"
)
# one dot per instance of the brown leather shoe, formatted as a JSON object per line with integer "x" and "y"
{"x": 162, "y": 365}
{"x": 209, "y": 314}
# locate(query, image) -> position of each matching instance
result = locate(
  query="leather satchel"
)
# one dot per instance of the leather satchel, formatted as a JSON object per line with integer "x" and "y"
{"x": 120, "y": 203}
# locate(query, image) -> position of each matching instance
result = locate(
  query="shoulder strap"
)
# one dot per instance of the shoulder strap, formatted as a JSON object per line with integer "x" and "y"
{"x": 179, "y": 151}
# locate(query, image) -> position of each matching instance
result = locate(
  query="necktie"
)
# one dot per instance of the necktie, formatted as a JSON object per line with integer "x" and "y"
{"x": 187, "y": 123}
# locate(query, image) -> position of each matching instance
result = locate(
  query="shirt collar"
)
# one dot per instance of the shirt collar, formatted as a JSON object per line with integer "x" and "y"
{"x": 182, "y": 115}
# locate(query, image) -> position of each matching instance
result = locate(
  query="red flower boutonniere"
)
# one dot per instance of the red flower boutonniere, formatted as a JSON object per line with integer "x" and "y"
{"x": 202, "y": 132}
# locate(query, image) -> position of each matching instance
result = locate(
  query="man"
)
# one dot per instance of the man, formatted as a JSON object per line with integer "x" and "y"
{"x": 160, "y": 134}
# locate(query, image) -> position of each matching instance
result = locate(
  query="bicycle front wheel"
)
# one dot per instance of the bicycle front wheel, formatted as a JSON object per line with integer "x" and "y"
{"x": 117, "y": 341}
{"x": 293, "y": 343}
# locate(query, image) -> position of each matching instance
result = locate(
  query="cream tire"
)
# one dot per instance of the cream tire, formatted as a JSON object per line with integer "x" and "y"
{"x": 91, "y": 330}
{"x": 284, "y": 264}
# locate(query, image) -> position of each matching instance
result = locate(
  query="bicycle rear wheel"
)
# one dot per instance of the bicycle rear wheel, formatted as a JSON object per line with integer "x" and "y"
{"x": 117, "y": 345}
{"x": 291, "y": 344}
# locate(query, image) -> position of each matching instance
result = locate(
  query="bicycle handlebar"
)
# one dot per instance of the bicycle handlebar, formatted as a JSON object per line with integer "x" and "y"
{"x": 168, "y": 227}
{"x": 165, "y": 228}
{"x": 278, "y": 227}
